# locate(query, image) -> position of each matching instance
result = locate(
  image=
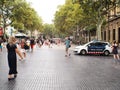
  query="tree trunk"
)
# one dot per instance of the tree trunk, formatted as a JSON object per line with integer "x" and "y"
{"x": 99, "y": 25}
{"x": 4, "y": 32}
{"x": 31, "y": 33}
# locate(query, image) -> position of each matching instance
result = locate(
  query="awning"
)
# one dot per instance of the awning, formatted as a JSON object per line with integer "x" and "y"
{"x": 20, "y": 35}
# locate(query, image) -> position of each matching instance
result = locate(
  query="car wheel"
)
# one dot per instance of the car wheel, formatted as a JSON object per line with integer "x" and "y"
{"x": 106, "y": 53}
{"x": 83, "y": 52}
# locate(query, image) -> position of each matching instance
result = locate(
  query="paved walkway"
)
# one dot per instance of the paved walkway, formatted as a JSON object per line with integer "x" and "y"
{"x": 48, "y": 69}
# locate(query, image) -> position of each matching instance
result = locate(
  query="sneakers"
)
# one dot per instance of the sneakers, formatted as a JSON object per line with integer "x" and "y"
{"x": 9, "y": 79}
{"x": 67, "y": 55}
{"x": 15, "y": 75}
{"x": 22, "y": 59}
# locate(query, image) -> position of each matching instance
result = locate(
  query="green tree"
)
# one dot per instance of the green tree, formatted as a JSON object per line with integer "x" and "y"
{"x": 26, "y": 17}
{"x": 6, "y": 7}
{"x": 20, "y": 15}
{"x": 96, "y": 11}
{"x": 68, "y": 17}
{"x": 49, "y": 30}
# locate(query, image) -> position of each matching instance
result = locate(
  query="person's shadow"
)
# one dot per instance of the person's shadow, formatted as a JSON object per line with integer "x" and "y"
{"x": 10, "y": 85}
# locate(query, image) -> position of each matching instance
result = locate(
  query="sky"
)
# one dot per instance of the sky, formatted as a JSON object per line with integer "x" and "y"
{"x": 46, "y": 8}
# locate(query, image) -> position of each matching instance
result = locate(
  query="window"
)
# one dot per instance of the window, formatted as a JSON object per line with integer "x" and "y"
{"x": 92, "y": 44}
{"x": 98, "y": 44}
{"x": 113, "y": 34}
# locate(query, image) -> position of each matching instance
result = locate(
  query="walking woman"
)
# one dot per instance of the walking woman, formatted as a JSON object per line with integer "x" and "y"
{"x": 12, "y": 58}
{"x": 115, "y": 52}
{"x": 23, "y": 43}
{"x": 1, "y": 45}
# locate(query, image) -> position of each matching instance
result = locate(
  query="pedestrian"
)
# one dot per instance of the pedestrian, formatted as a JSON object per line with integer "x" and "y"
{"x": 38, "y": 43}
{"x": 28, "y": 44}
{"x": 12, "y": 57}
{"x": 67, "y": 46}
{"x": 49, "y": 43}
{"x": 1, "y": 44}
{"x": 22, "y": 45}
{"x": 32, "y": 43}
{"x": 41, "y": 42}
{"x": 115, "y": 52}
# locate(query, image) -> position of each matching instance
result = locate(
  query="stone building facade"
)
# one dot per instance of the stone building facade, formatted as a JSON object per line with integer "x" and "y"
{"x": 111, "y": 31}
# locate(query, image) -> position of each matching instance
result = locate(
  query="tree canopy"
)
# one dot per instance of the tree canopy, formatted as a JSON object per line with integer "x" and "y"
{"x": 83, "y": 13}
{"x": 20, "y": 15}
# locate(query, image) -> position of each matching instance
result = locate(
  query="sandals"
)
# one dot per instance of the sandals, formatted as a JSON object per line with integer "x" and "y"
{"x": 65, "y": 55}
{"x": 69, "y": 54}
{"x": 15, "y": 75}
{"x": 11, "y": 78}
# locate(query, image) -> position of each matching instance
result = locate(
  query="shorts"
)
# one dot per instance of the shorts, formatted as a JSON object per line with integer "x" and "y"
{"x": 66, "y": 48}
{"x": 0, "y": 46}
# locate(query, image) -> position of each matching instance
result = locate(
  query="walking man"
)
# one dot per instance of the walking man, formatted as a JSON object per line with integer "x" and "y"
{"x": 67, "y": 46}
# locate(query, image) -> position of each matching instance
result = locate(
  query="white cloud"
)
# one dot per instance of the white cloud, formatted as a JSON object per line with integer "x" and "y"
{"x": 46, "y": 8}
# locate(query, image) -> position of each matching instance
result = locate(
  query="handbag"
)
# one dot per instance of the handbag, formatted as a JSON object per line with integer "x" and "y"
{"x": 26, "y": 47}
{"x": 69, "y": 46}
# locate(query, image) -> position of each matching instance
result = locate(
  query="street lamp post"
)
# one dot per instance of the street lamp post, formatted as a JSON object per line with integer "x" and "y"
{"x": 11, "y": 31}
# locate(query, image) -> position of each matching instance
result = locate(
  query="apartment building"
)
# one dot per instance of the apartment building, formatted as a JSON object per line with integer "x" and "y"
{"x": 112, "y": 30}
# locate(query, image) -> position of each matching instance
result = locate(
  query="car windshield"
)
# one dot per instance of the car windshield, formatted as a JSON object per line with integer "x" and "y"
{"x": 87, "y": 43}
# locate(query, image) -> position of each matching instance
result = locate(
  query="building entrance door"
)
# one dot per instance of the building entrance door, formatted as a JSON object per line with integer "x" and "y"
{"x": 118, "y": 35}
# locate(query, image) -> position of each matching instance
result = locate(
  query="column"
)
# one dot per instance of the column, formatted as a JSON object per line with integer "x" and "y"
{"x": 107, "y": 33}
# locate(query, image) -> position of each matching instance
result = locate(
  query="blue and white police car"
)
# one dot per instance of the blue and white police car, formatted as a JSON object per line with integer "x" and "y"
{"x": 94, "y": 47}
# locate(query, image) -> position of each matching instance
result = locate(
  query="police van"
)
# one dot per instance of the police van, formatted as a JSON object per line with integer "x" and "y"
{"x": 94, "y": 47}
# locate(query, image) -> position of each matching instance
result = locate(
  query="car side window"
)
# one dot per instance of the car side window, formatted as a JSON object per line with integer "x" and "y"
{"x": 99, "y": 44}
{"x": 104, "y": 44}
{"x": 91, "y": 44}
